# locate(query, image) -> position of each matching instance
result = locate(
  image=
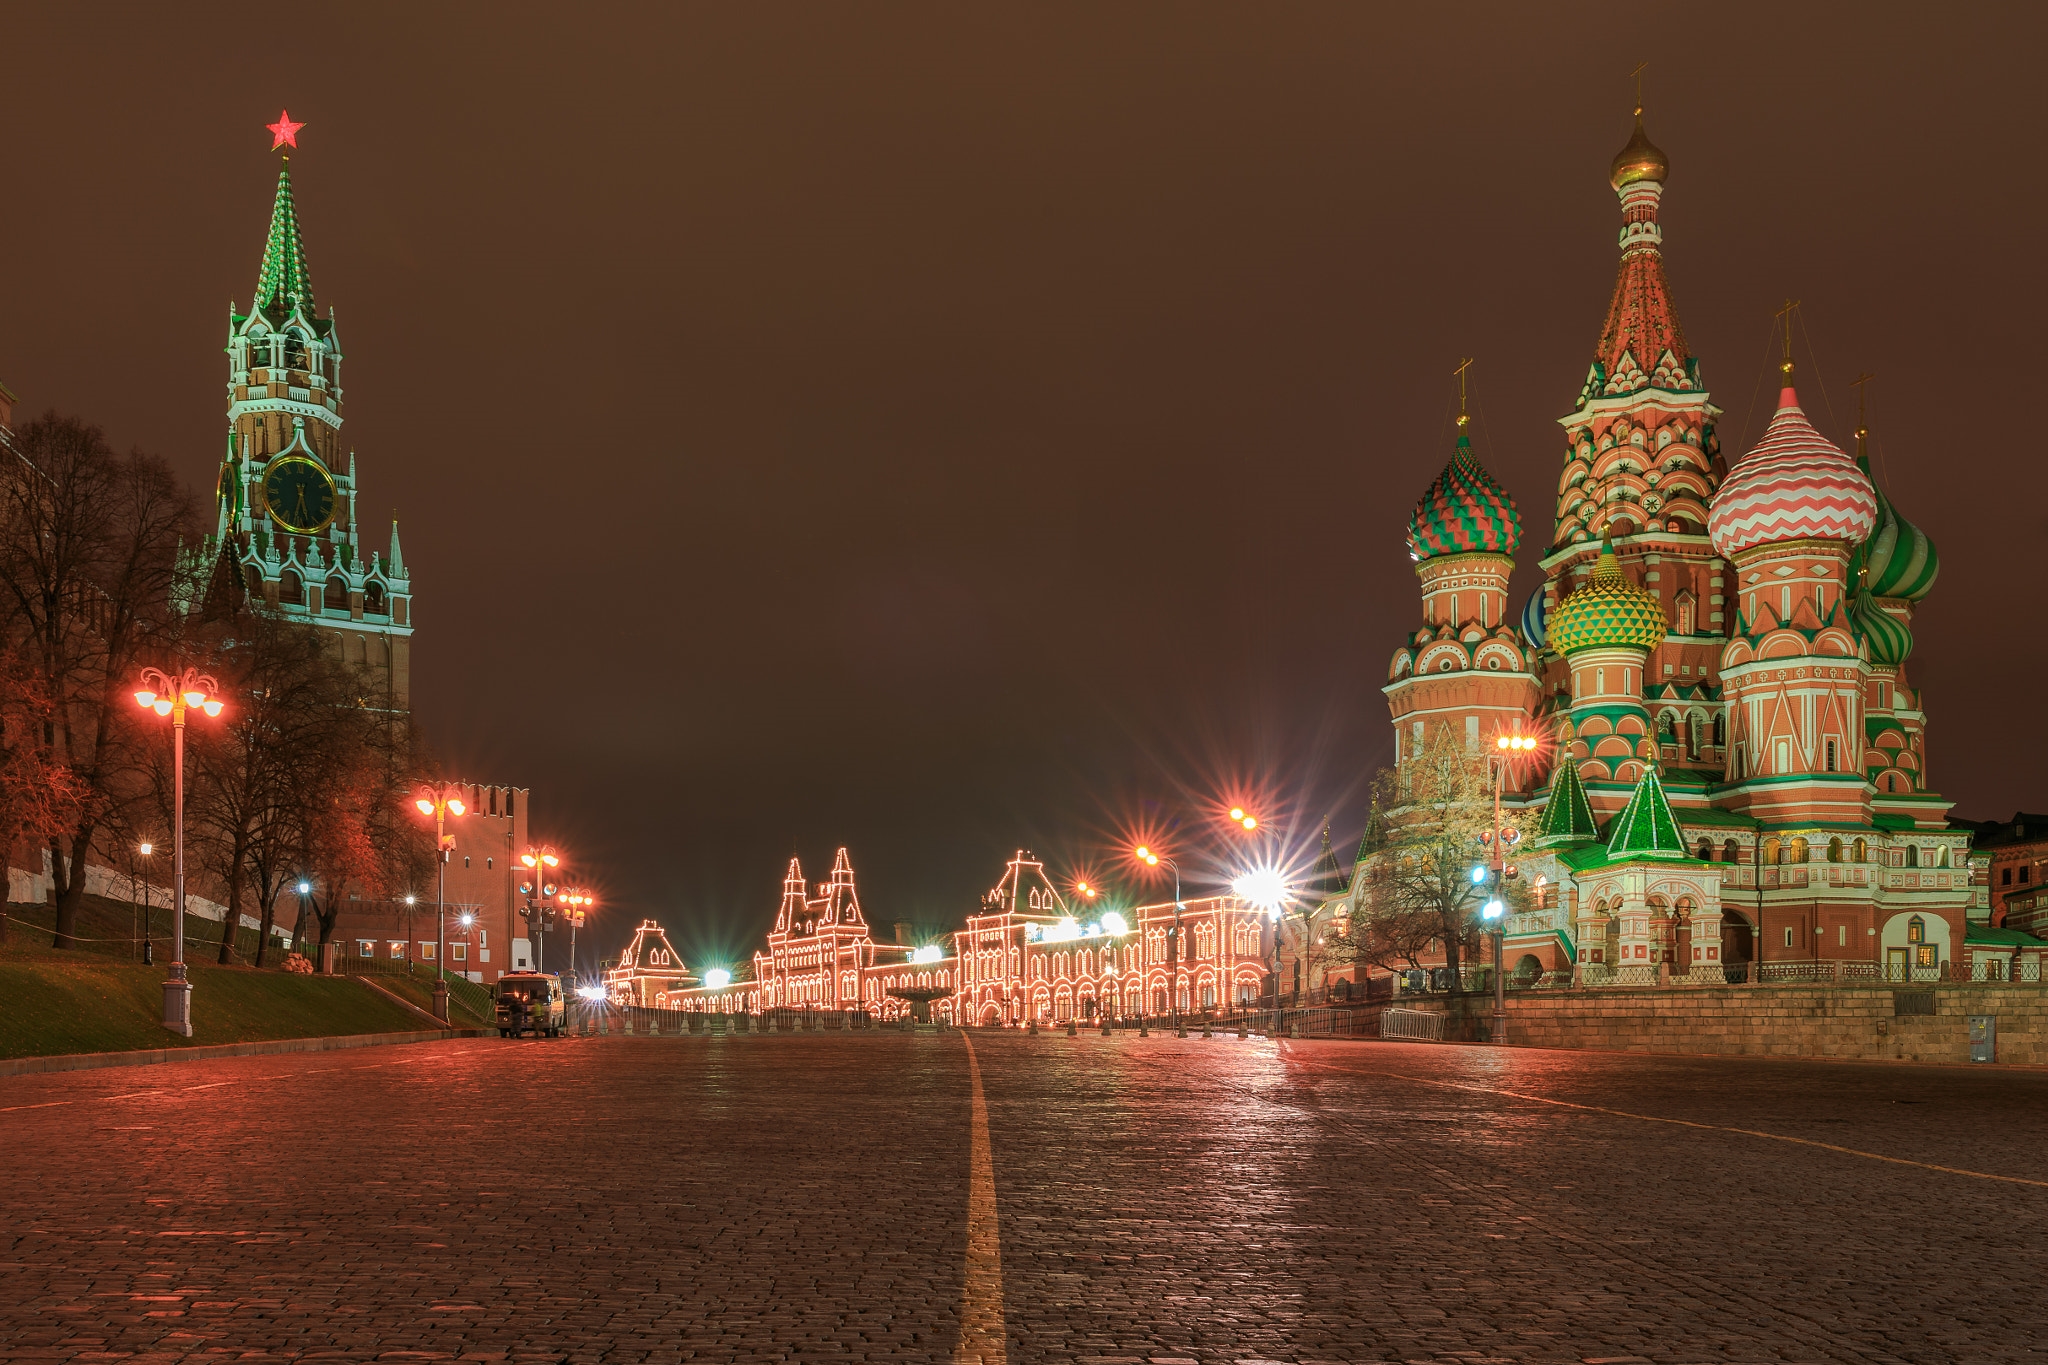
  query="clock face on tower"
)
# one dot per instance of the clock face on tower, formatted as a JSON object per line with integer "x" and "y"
{"x": 299, "y": 494}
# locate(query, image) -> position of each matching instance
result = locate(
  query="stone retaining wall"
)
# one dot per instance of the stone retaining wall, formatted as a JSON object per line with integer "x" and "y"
{"x": 1782, "y": 1021}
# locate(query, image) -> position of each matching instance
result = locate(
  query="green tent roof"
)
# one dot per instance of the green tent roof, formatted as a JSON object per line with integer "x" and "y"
{"x": 1568, "y": 815}
{"x": 1645, "y": 828}
{"x": 284, "y": 278}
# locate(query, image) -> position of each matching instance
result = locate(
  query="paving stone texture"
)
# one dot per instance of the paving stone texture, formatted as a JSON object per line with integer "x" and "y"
{"x": 804, "y": 1198}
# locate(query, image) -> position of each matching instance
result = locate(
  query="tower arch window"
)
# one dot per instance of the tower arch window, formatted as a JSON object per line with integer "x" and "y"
{"x": 1798, "y": 851}
{"x": 1912, "y": 855}
{"x": 1834, "y": 850}
{"x": 290, "y": 589}
{"x": 1772, "y": 848}
{"x": 1862, "y": 850}
{"x": 1731, "y": 852}
{"x": 337, "y": 594}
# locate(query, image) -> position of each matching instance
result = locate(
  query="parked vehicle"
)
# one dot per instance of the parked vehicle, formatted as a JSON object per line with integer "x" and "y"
{"x": 531, "y": 1001}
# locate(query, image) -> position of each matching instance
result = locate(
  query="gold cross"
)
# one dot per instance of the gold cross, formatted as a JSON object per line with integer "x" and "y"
{"x": 1464, "y": 364}
{"x": 1862, "y": 427}
{"x": 1791, "y": 306}
{"x": 1641, "y": 67}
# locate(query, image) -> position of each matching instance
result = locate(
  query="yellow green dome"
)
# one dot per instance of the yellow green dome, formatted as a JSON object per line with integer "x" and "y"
{"x": 1610, "y": 611}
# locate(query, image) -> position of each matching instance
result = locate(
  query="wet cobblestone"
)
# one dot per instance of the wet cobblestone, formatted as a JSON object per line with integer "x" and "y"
{"x": 804, "y": 1197}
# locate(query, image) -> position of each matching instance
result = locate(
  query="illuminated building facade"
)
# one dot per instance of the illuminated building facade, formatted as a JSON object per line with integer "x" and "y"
{"x": 1736, "y": 769}
{"x": 1028, "y": 953}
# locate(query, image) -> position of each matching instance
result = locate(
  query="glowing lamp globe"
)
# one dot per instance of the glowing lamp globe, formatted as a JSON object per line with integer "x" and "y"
{"x": 718, "y": 978}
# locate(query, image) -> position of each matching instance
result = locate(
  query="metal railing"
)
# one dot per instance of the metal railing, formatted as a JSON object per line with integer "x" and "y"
{"x": 1413, "y": 1025}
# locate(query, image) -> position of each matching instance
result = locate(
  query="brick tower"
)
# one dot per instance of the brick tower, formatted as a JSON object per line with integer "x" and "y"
{"x": 286, "y": 529}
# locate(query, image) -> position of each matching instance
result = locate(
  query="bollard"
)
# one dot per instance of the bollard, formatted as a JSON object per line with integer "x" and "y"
{"x": 1073, "y": 1029}
{"x": 1181, "y": 1031}
{"x": 1105, "y": 1026}
{"x": 1205, "y": 1029}
{"x": 1032, "y": 1028}
{"x": 772, "y": 1028}
{"x": 1143, "y": 1032}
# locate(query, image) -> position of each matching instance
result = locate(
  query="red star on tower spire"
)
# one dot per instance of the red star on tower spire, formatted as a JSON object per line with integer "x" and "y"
{"x": 284, "y": 133}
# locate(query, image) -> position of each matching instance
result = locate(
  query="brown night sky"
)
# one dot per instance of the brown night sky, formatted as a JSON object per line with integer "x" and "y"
{"x": 940, "y": 428}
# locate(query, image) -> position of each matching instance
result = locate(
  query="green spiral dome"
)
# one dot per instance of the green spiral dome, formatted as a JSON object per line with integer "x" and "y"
{"x": 1888, "y": 639}
{"x": 1609, "y": 611}
{"x": 1898, "y": 559}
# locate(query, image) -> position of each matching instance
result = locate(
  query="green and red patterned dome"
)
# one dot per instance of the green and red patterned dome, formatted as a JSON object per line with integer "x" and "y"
{"x": 1464, "y": 512}
{"x": 1609, "y": 612}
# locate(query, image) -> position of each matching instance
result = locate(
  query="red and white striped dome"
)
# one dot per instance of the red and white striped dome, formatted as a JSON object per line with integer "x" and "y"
{"x": 1796, "y": 485}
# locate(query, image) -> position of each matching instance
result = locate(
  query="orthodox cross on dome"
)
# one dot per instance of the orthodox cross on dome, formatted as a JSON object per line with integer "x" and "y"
{"x": 1641, "y": 67}
{"x": 1464, "y": 364}
{"x": 1862, "y": 426}
{"x": 1785, "y": 315}
{"x": 284, "y": 133}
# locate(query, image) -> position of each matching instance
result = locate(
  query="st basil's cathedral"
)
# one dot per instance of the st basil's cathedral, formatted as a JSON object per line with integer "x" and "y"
{"x": 1733, "y": 780}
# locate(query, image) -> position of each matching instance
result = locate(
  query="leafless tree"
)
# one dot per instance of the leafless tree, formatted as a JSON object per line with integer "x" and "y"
{"x": 1431, "y": 820}
{"x": 88, "y": 567}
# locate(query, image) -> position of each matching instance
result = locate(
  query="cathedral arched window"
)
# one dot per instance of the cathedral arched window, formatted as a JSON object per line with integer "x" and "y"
{"x": 1667, "y": 727}
{"x": 1706, "y": 851}
{"x": 1912, "y": 855}
{"x": 1798, "y": 851}
{"x": 1941, "y": 860}
{"x": 1834, "y": 850}
{"x": 1720, "y": 731}
{"x": 1916, "y": 930}
{"x": 1771, "y": 850}
{"x": 1731, "y": 852}
{"x": 1692, "y": 735}
{"x": 1862, "y": 850}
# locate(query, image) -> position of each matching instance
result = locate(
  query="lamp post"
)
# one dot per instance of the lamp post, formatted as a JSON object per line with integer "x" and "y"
{"x": 410, "y": 898}
{"x": 169, "y": 696}
{"x": 146, "y": 848}
{"x": 1151, "y": 859}
{"x": 305, "y": 889}
{"x": 578, "y": 899}
{"x": 539, "y": 891}
{"x": 1509, "y": 749}
{"x": 468, "y": 921}
{"x": 441, "y": 800}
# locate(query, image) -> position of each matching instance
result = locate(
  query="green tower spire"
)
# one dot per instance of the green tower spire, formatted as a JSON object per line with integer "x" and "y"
{"x": 284, "y": 279}
{"x": 1568, "y": 816}
{"x": 1646, "y": 828}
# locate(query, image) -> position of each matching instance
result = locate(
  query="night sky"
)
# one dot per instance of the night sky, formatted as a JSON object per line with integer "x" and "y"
{"x": 938, "y": 430}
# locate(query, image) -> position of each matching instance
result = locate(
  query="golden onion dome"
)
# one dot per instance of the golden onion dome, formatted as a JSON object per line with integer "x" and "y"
{"x": 1640, "y": 160}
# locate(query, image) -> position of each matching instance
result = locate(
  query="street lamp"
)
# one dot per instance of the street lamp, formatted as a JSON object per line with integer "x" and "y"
{"x": 410, "y": 899}
{"x": 145, "y": 848}
{"x": 538, "y": 892}
{"x": 169, "y": 696}
{"x": 441, "y": 800}
{"x": 1263, "y": 888}
{"x": 578, "y": 900}
{"x": 468, "y": 922}
{"x": 1150, "y": 858}
{"x": 1510, "y": 749}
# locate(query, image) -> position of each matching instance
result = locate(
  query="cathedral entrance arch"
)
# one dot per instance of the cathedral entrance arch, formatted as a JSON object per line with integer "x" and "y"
{"x": 991, "y": 1015}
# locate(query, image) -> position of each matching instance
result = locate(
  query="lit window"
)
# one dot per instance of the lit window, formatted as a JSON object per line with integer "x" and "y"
{"x": 460, "y": 951}
{"x": 397, "y": 949}
{"x": 365, "y": 948}
{"x": 426, "y": 952}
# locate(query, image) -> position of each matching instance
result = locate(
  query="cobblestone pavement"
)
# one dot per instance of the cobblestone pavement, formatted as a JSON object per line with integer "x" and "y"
{"x": 807, "y": 1198}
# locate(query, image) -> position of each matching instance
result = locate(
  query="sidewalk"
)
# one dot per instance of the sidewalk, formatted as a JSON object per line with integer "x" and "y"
{"x": 93, "y": 1061}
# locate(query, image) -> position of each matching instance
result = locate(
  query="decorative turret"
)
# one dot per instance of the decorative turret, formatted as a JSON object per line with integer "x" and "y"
{"x": 283, "y": 284}
{"x": 1646, "y": 828}
{"x": 1796, "y": 484}
{"x": 1887, "y": 639}
{"x": 1609, "y": 612}
{"x": 1567, "y": 815}
{"x": 1464, "y": 512}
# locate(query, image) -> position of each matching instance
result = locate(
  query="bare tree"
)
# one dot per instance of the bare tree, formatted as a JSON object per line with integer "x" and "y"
{"x": 40, "y": 797}
{"x": 1431, "y": 821}
{"x": 88, "y": 566}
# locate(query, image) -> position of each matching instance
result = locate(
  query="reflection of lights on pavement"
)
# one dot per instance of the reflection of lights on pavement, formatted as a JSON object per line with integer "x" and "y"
{"x": 718, "y": 978}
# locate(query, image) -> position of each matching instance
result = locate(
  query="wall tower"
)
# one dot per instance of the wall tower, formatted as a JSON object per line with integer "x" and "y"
{"x": 286, "y": 528}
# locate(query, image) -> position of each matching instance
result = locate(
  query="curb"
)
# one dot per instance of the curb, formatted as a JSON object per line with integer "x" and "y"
{"x": 94, "y": 1061}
